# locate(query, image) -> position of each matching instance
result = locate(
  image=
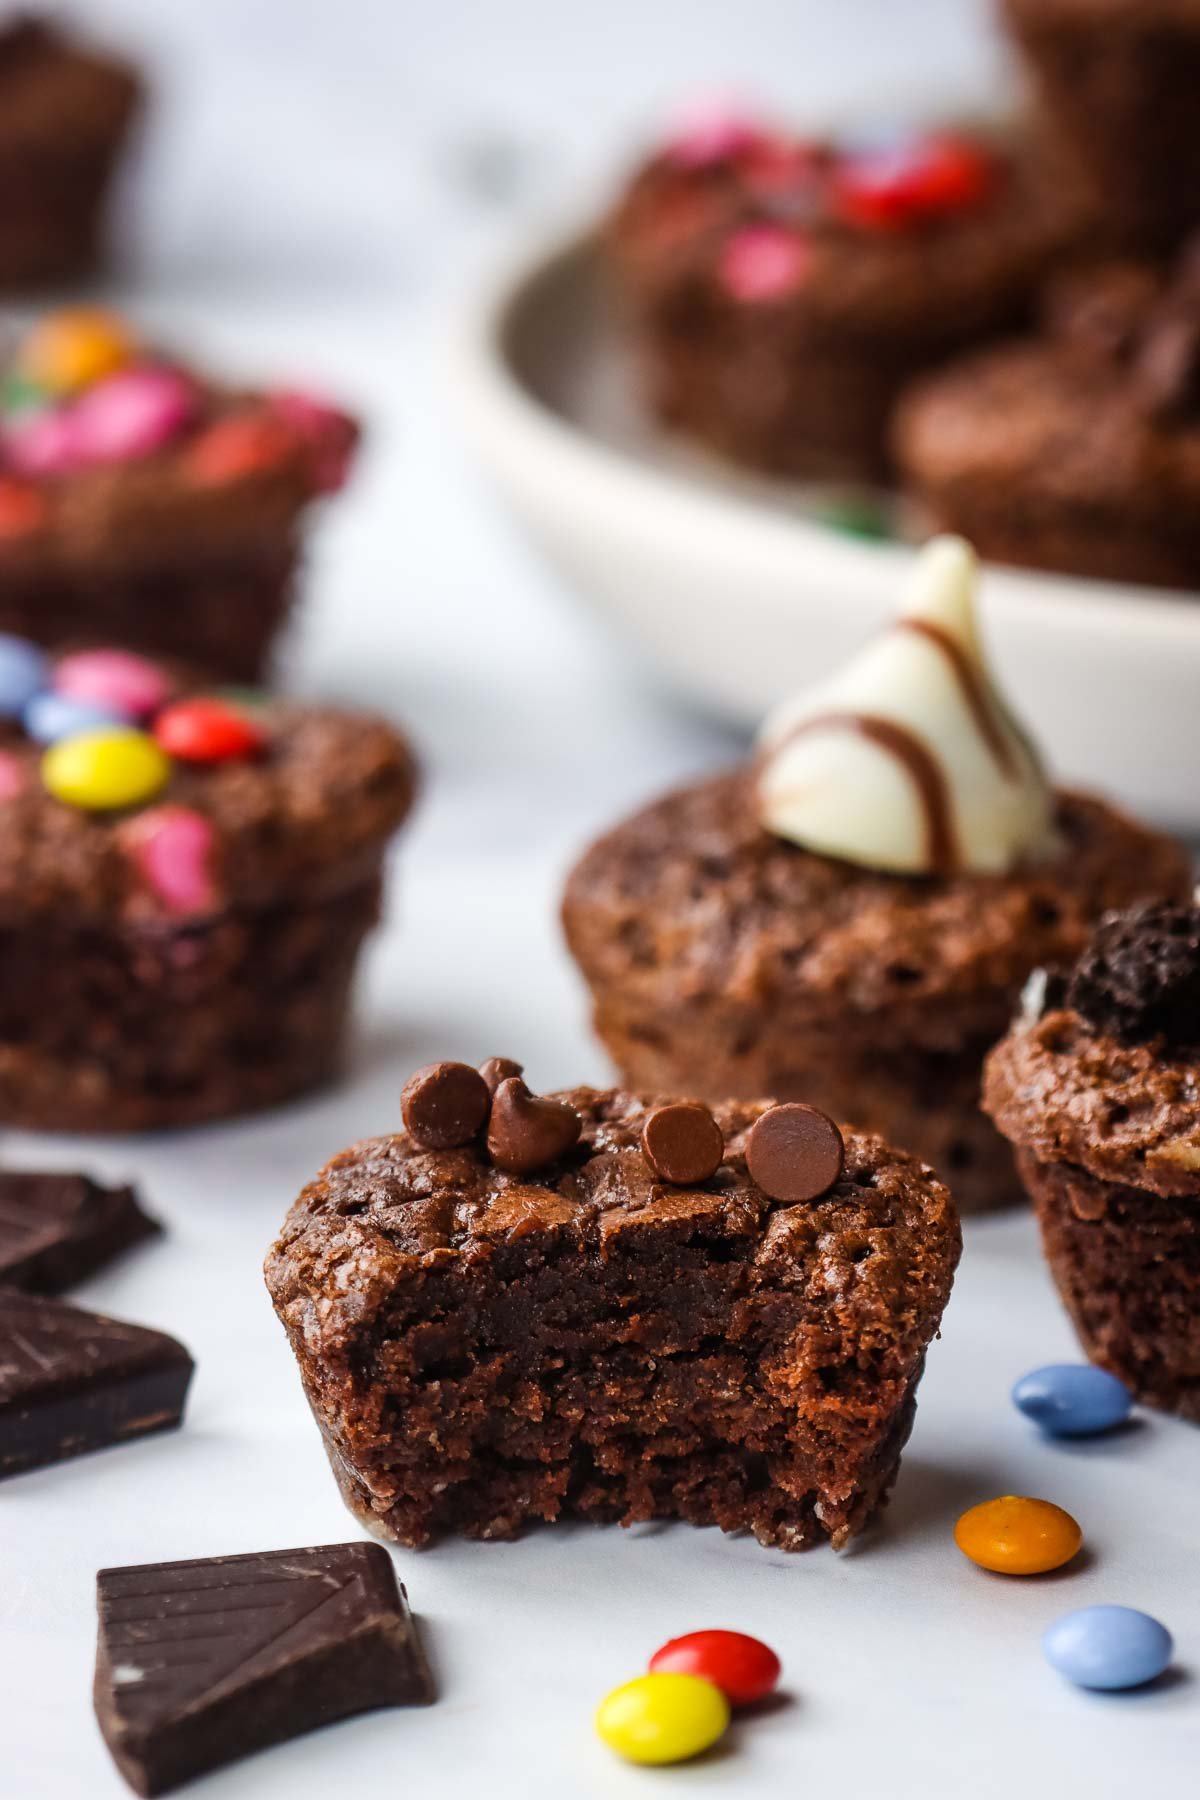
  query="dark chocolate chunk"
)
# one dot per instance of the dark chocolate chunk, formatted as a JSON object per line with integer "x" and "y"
{"x": 1139, "y": 976}
{"x": 526, "y": 1131}
{"x": 683, "y": 1143}
{"x": 500, "y": 1068}
{"x": 199, "y": 1663}
{"x": 56, "y": 1229}
{"x": 72, "y": 1381}
{"x": 794, "y": 1153}
{"x": 444, "y": 1105}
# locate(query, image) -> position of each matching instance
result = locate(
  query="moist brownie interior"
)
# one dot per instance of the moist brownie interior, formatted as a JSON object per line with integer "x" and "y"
{"x": 483, "y": 1351}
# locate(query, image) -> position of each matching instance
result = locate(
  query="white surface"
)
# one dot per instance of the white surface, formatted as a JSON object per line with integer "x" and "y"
{"x": 741, "y": 600}
{"x": 911, "y": 1672}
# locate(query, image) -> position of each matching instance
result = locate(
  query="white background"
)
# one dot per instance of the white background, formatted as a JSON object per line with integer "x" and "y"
{"x": 321, "y": 187}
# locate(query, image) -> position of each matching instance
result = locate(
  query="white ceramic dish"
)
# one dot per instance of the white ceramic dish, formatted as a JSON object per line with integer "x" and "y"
{"x": 738, "y": 597}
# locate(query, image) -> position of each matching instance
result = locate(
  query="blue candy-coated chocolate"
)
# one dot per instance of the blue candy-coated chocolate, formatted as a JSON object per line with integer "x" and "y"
{"x": 1108, "y": 1647}
{"x": 23, "y": 672}
{"x": 49, "y": 717}
{"x": 1072, "y": 1399}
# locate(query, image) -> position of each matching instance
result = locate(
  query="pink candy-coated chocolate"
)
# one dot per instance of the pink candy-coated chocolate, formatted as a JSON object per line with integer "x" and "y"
{"x": 172, "y": 847}
{"x": 12, "y": 775}
{"x": 131, "y": 414}
{"x": 711, "y": 133}
{"x": 761, "y": 262}
{"x": 38, "y": 444}
{"x": 22, "y": 509}
{"x": 115, "y": 679}
{"x": 328, "y": 433}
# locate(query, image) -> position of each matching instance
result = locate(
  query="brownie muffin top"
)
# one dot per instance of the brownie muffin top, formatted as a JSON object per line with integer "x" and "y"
{"x": 56, "y": 96}
{"x": 902, "y": 240}
{"x": 884, "y": 1236}
{"x": 113, "y": 454}
{"x": 692, "y": 897}
{"x": 140, "y": 797}
{"x": 1101, "y": 410}
{"x": 1139, "y": 13}
{"x": 1102, "y": 1069}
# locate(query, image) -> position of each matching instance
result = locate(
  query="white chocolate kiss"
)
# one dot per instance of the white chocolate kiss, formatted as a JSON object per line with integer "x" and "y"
{"x": 908, "y": 759}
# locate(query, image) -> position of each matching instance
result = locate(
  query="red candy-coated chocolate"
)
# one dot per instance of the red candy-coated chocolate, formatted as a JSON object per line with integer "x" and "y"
{"x": 242, "y": 444}
{"x": 744, "y": 1668}
{"x": 22, "y": 509}
{"x": 206, "y": 731}
{"x": 328, "y": 435}
{"x": 931, "y": 178}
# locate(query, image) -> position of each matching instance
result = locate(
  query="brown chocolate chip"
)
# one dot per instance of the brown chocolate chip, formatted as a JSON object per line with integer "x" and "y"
{"x": 527, "y": 1131}
{"x": 683, "y": 1143}
{"x": 497, "y": 1069}
{"x": 795, "y": 1153}
{"x": 444, "y": 1105}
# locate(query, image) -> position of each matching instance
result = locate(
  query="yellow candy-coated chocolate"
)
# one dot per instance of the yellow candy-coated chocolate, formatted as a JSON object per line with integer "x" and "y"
{"x": 105, "y": 769}
{"x": 69, "y": 350}
{"x": 1018, "y": 1536}
{"x": 662, "y": 1718}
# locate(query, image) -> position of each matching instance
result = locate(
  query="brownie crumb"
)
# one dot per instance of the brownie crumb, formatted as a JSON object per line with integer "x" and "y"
{"x": 1139, "y": 976}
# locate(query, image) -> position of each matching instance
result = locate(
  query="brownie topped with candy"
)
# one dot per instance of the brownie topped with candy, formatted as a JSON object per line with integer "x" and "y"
{"x": 781, "y": 289}
{"x": 142, "y": 502}
{"x": 613, "y": 1307}
{"x": 185, "y": 880}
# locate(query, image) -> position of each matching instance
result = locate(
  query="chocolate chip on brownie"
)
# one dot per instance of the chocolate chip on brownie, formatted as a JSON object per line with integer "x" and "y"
{"x": 526, "y": 1131}
{"x": 683, "y": 1143}
{"x": 444, "y": 1105}
{"x": 500, "y": 1068}
{"x": 795, "y": 1153}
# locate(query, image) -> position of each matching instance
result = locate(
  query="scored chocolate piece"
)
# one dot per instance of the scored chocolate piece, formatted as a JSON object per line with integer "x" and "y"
{"x": 683, "y": 1143}
{"x": 199, "y": 1663}
{"x": 73, "y": 1381}
{"x": 56, "y": 1229}
{"x": 526, "y": 1131}
{"x": 500, "y": 1068}
{"x": 444, "y": 1104}
{"x": 794, "y": 1153}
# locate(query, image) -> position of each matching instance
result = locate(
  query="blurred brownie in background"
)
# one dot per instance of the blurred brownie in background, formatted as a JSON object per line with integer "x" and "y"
{"x": 781, "y": 290}
{"x": 143, "y": 503}
{"x": 1079, "y": 449}
{"x": 65, "y": 116}
{"x": 1120, "y": 79}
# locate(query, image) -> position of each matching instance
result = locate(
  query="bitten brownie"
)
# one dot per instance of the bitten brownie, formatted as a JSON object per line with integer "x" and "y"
{"x": 487, "y": 1343}
{"x": 780, "y": 291}
{"x": 65, "y": 116}
{"x": 1097, "y": 1086}
{"x": 143, "y": 503}
{"x": 1079, "y": 449}
{"x": 723, "y": 958}
{"x": 1119, "y": 79}
{"x": 183, "y": 891}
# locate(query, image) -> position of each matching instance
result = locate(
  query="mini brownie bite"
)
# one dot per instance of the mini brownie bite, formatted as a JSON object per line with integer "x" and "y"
{"x": 144, "y": 504}
{"x": 1098, "y": 1087}
{"x": 849, "y": 918}
{"x": 574, "y": 1311}
{"x": 65, "y": 117}
{"x": 1119, "y": 79}
{"x": 781, "y": 290}
{"x": 185, "y": 882}
{"x": 1076, "y": 450}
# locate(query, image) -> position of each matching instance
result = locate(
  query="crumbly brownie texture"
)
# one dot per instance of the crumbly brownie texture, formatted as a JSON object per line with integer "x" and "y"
{"x": 1078, "y": 450}
{"x": 484, "y": 1350}
{"x": 65, "y": 114}
{"x": 1099, "y": 1097}
{"x": 800, "y": 377}
{"x": 1119, "y": 78}
{"x": 723, "y": 959}
{"x": 123, "y": 1009}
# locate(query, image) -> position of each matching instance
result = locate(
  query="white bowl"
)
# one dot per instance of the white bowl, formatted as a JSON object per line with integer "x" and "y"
{"x": 740, "y": 599}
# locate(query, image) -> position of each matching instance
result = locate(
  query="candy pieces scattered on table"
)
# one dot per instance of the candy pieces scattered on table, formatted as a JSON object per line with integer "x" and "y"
{"x": 56, "y": 1229}
{"x": 73, "y": 1381}
{"x": 1108, "y": 1647}
{"x": 662, "y": 1718}
{"x": 200, "y": 1663}
{"x": 744, "y": 1668}
{"x": 1072, "y": 1399}
{"x": 1016, "y": 1535}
